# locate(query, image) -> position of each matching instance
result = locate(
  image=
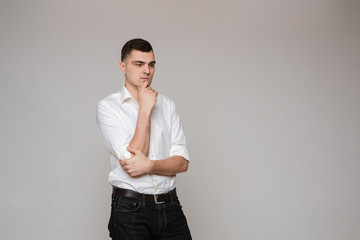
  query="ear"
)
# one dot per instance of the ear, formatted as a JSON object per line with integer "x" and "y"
{"x": 122, "y": 67}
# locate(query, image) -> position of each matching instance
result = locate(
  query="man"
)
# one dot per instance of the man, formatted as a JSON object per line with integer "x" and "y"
{"x": 141, "y": 129}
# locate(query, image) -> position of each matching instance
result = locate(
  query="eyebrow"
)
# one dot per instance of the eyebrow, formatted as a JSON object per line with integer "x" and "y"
{"x": 138, "y": 61}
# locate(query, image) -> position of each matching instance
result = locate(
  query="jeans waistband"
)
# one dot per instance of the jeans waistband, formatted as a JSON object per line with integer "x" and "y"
{"x": 155, "y": 198}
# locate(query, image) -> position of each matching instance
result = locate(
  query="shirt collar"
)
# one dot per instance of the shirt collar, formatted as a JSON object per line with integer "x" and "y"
{"x": 125, "y": 94}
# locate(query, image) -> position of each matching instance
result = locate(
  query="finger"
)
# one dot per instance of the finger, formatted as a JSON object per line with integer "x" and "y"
{"x": 150, "y": 90}
{"x": 143, "y": 86}
{"x": 124, "y": 162}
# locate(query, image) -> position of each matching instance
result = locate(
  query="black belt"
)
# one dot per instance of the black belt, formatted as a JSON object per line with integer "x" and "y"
{"x": 156, "y": 198}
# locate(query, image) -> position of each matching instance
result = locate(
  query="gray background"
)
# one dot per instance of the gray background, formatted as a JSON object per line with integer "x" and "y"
{"x": 267, "y": 91}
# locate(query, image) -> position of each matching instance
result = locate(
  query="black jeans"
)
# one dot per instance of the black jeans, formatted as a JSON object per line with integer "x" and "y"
{"x": 133, "y": 219}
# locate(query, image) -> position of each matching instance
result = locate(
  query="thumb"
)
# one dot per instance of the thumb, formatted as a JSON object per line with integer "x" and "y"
{"x": 143, "y": 86}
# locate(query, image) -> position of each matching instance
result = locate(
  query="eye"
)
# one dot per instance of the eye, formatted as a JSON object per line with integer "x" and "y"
{"x": 152, "y": 65}
{"x": 138, "y": 64}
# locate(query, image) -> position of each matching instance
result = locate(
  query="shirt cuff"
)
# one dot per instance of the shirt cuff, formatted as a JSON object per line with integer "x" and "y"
{"x": 179, "y": 150}
{"x": 124, "y": 153}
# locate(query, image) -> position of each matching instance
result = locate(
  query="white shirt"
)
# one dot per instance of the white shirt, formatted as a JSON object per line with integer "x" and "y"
{"x": 116, "y": 117}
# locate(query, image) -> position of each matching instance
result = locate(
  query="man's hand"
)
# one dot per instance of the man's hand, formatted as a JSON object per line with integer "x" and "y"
{"x": 147, "y": 97}
{"x": 138, "y": 165}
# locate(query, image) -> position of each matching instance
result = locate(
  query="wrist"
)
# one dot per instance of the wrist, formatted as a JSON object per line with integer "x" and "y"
{"x": 151, "y": 166}
{"x": 145, "y": 111}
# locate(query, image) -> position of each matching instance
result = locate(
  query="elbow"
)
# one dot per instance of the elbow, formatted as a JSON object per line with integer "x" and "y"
{"x": 185, "y": 165}
{"x": 144, "y": 150}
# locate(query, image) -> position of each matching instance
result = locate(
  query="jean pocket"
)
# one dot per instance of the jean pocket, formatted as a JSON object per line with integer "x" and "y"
{"x": 127, "y": 205}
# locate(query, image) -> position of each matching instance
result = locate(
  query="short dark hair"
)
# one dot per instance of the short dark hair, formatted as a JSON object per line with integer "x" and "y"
{"x": 135, "y": 44}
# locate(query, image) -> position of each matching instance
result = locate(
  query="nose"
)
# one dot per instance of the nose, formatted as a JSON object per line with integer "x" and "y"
{"x": 146, "y": 69}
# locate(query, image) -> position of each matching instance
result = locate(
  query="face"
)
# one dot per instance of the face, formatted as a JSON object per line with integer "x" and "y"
{"x": 138, "y": 67}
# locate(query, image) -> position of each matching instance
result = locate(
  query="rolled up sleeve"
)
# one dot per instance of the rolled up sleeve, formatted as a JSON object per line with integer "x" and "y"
{"x": 113, "y": 130}
{"x": 178, "y": 141}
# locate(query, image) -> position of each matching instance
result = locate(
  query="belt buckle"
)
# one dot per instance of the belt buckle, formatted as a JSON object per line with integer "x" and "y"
{"x": 156, "y": 200}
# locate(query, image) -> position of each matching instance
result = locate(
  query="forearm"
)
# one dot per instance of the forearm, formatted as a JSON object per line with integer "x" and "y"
{"x": 139, "y": 164}
{"x": 169, "y": 166}
{"x": 141, "y": 139}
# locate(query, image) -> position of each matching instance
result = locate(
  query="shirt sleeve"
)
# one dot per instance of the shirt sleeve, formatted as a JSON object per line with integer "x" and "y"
{"x": 113, "y": 130}
{"x": 178, "y": 141}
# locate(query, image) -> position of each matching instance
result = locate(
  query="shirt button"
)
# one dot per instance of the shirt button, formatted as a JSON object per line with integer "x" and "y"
{"x": 152, "y": 155}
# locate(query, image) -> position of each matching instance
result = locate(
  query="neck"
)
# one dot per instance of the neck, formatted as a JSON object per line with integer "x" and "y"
{"x": 133, "y": 91}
